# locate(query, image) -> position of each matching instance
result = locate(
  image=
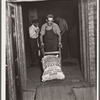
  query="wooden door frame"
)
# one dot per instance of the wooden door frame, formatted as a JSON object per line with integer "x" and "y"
{"x": 21, "y": 47}
{"x": 83, "y": 40}
{"x": 22, "y": 76}
{"x": 9, "y": 57}
{"x": 87, "y": 17}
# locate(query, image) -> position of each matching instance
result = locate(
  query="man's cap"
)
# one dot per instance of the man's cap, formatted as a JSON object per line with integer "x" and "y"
{"x": 35, "y": 21}
{"x": 50, "y": 17}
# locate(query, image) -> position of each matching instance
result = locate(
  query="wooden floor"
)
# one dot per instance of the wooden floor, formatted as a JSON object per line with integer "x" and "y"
{"x": 70, "y": 69}
{"x": 61, "y": 91}
{"x": 56, "y": 89}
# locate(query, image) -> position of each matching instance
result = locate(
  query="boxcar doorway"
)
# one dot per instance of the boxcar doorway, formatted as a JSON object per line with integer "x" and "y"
{"x": 67, "y": 10}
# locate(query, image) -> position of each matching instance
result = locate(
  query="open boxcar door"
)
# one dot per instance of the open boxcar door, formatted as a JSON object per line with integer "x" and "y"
{"x": 16, "y": 61}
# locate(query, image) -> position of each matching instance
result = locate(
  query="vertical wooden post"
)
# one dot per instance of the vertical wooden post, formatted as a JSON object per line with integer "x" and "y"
{"x": 21, "y": 47}
{"x": 9, "y": 58}
{"x": 80, "y": 31}
{"x": 83, "y": 37}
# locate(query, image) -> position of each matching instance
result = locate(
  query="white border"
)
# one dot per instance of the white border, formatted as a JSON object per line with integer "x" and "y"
{"x": 3, "y": 50}
{"x": 97, "y": 49}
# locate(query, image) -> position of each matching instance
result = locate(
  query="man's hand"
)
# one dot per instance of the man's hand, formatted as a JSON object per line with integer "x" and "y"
{"x": 42, "y": 45}
{"x": 42, "y": 48}
{"x": 37, "y": 31}
{"x": 60, "y": 45}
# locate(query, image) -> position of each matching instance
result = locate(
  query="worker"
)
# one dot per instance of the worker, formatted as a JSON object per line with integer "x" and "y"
{"x": 50, "y": 35}
{"x": 33, "y": 34}
{"x": 65, "y": 37}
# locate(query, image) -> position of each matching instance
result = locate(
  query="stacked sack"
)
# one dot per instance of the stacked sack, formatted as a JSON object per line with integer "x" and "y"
{"x": 52, "y": 68}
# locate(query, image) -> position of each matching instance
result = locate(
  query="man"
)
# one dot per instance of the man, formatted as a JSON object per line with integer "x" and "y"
{"x": 50, "y": 35}
{"x": 33, "y": 34}
{"x": 62, "y": 24}
{"x": 65, "y": 36}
